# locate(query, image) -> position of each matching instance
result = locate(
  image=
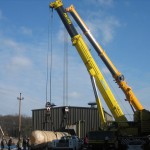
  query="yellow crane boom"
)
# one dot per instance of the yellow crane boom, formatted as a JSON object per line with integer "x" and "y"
{"x": 90, "y": 64}
{"x": 119, "y": 78}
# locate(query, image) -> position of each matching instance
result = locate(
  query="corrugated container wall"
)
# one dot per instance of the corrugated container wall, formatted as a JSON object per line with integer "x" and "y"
{"x": 81, "y": 119}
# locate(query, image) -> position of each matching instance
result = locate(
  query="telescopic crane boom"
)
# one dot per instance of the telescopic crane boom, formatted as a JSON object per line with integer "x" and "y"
{"x": 119, "y": 78}
{"x": 90, "y": 64}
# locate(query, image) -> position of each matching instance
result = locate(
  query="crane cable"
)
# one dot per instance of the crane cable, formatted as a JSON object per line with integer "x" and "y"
{"x": 51, "y": 58}
{"x": 50, "y": 48}
{"x": 65, "y": 73}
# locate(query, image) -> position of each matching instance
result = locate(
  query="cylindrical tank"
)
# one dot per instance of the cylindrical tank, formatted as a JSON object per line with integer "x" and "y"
{"x": 39, "y": 139}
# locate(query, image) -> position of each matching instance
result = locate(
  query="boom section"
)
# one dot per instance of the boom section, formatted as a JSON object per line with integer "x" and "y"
{"x": 119, "y": 78}
{"x": 99, "y": 104}
{"x": 90, "y": 64}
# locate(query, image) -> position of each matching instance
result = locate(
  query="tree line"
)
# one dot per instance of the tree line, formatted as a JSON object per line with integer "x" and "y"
{"x": 10, "y": 125}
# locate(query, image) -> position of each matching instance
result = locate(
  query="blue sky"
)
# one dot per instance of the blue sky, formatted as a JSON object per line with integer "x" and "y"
{"x": 122, "y": 27}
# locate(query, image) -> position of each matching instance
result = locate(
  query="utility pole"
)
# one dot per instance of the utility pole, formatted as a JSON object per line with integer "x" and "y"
{"x": 20, "y": 98}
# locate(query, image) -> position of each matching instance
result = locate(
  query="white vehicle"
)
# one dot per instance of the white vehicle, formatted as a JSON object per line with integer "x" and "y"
{"x": 67, "y": 142}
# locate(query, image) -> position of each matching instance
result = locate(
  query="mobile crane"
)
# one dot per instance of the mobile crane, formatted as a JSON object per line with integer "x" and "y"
{"x": 90, "y": 64}
{"x": 77, "y": 41}
{"x": 119, "y": 78}
{"x": 141, "y": 116}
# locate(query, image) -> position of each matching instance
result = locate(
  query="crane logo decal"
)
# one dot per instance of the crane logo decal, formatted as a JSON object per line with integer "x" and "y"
{"x": 67, "y": 18}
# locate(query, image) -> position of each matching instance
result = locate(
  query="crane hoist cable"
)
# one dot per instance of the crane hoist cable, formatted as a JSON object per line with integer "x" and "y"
{"x": 51, "y": 56}
{"x": 48, "y": 104}
{"x": 65, "y": 73}
{"x": 49, "y": 62}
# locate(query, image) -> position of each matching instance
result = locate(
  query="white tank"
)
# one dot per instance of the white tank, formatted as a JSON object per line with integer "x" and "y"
{"x": 39, "y": 139}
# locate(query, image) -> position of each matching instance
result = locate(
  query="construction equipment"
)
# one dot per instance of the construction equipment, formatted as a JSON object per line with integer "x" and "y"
{"x": 95, "y": 72}
{"x": 90, "y": 64}
{"x": 119, "y": 78}
{"x": 141, "y": 124}
{"x": 141, "y": 116}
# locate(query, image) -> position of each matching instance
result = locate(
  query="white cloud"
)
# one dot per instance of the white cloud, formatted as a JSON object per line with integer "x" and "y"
{"x": 18, "y": 63}
{"x": 103, "y": 26}
{"x": 109, "y": 28}
{"x": 8, "y": 43}
{"x": 101, "y": 3}
{"x": 25, "y": 31}
{"x": 105, "y": 2}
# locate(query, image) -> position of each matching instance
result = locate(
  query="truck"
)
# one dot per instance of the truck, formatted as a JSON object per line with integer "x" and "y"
{"x": 67, "y": 143}
{"x": 102, "y": 140}
{"x": 121, "y": 127}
